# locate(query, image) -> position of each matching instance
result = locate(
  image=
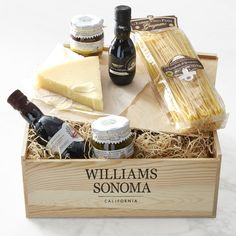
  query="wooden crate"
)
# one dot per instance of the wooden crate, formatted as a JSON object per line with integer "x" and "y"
{"x": 178, "y": 188}
{"x": 182, "y": 187}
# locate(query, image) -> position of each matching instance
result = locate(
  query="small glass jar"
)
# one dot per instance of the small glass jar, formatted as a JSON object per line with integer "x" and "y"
{"x": 86, "y": 35}
{"x": 112, "y": 137}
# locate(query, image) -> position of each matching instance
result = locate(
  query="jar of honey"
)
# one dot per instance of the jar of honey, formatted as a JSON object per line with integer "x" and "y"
{"x": 86, "y": 35}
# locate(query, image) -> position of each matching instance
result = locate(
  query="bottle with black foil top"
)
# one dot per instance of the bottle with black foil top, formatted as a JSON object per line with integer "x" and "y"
{"x": 58, "y": 136}
{"x": 122, "y": 54}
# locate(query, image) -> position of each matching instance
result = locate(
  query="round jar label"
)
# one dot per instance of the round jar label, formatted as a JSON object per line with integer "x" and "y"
{"x": 115, "y": 154}
{"x": 87, "y": 47}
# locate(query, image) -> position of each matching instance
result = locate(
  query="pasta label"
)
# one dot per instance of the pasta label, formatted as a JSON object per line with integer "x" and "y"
{"x": 183, "y": 68}
{"x": 151, "y": 23}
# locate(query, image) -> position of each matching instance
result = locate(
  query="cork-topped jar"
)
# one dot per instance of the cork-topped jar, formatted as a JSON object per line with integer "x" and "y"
{"x": 86, "y": 35}
{"x": 112, "y": 137}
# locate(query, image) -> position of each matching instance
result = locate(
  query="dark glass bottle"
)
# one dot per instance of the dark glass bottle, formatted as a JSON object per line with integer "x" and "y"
{"x": 122, "y": 54}
{"x": 53, "y": 133}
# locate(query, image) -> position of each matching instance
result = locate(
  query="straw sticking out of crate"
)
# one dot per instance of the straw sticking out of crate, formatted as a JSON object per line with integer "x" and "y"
{"x": 147, "y": 144}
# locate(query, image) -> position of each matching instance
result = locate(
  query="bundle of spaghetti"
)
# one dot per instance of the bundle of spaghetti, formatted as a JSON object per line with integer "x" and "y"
{"x": 190, "y": 104}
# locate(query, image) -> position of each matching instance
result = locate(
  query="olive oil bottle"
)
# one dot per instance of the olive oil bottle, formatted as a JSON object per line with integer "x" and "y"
{"x": 122, "y": 54}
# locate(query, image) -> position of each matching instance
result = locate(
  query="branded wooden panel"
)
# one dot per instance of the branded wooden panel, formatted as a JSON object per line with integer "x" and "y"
{"x": 125, "y": 187}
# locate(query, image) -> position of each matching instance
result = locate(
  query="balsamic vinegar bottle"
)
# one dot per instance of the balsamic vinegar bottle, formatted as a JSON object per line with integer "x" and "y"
{"x": 122, "y": 54}
{"x": 53, "y": 133}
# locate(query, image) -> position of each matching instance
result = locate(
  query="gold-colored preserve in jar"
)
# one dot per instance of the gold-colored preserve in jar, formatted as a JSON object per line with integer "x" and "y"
{"x": 86, "y": 35}
{"x": 112, "y": 137}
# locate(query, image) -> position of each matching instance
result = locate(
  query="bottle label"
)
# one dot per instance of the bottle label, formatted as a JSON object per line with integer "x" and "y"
{"x": 63, "y": 138}
{"x": 182, "y": 67}
{"x": 122, "y": 68}
{"x": 115, "y": 154}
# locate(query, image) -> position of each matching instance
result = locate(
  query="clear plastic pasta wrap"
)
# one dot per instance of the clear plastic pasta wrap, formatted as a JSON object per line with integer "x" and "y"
{"x": 177, "y": 75}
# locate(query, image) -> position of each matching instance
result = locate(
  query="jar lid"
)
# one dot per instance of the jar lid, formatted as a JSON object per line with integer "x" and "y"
{"x": 111, "y": 129}
{"x": 86, "y": 25}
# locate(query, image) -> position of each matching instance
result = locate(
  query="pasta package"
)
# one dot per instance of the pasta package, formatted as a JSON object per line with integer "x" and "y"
{"x": 177, "y": 75}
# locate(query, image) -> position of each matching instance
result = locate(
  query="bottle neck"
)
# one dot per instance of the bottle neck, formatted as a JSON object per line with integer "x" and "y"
{"x": 122, "y": 32}
{"x": 31, "y": 113}
{"x": 28, "y": 110}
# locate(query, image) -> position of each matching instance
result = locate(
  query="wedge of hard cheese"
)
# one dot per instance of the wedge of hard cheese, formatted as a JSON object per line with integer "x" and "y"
{"x": 78, "y": 80}
{"x": 59, "y": 55}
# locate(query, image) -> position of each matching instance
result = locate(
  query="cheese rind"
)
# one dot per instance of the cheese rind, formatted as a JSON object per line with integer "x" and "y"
{"x": 78, "y": 80}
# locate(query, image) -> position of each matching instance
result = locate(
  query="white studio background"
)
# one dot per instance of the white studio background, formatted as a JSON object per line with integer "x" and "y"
{"x": 29, "y": 30}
